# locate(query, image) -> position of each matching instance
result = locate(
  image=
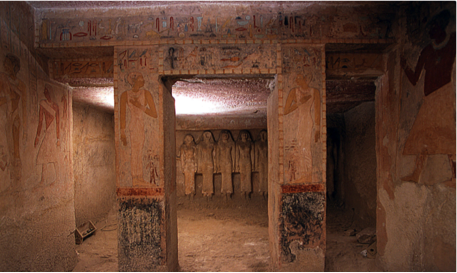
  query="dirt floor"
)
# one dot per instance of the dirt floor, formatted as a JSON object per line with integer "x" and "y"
{"x": 343, "y": 251}
{"x": 221, "y": 235}
{"x": 231, "y": 235}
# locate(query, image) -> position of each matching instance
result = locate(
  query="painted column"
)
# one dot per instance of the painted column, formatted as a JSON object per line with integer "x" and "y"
{"x": 302, "y": 150}
{"x": 145, "y": 178}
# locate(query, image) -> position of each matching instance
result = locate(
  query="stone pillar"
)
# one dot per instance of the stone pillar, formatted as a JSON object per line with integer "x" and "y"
{"x": 297, "y": 202}
{"x": 145, "y": 175}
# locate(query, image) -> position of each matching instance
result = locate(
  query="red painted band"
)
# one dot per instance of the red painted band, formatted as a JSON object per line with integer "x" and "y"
{"x": 140, "y": 191}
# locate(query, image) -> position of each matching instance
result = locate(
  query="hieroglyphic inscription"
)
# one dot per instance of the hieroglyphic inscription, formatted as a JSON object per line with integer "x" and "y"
{"x": 138, "y": 58}
{"x": 366, "y": 63}
{"x": 247, "y": 24}
{"x": 219, "y": 57}
{"x": 102, "y": 68}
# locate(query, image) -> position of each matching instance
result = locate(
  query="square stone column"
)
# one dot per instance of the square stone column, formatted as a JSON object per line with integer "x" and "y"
{"x": 297, "y": 185}
{"x": 145, "y": 166}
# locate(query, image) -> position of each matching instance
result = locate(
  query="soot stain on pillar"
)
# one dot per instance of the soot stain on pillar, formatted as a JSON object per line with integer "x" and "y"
{"x": 140, "y": 223}
{"x": 301, "y": 220}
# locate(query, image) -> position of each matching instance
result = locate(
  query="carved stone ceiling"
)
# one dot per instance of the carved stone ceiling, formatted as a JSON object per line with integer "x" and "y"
{"x": 230, "y": 97}
{"x": 245, "y": 97}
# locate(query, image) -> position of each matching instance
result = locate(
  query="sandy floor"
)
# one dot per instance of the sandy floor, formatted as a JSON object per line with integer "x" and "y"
{"x": 98, "y": 253}
{"x": 214, "y": 238}
{"x": 225, "y": 236}
{"x": 343, "y": 251}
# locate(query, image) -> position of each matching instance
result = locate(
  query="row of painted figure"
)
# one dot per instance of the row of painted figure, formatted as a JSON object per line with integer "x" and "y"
{"x": 225, "y": 157}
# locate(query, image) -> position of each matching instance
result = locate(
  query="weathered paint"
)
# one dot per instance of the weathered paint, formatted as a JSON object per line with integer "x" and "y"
{"x": 140, "y": 231}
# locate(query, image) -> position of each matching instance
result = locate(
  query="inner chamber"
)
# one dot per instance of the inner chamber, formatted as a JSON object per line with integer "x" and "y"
{"x": 222, "y": 173}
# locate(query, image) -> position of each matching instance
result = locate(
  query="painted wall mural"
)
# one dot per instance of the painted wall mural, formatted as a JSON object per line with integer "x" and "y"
{"x": 48, "y": 131}
{"x": 302, "y": 139}
{"x": 25, "y": 123}
{"x": 20, "y": 88}
{"x": 433, "y": 130}
{"x": 416, "y": 132}
{"x": 302, "y": 198}
{"x": 238, "y": 25}
{"x": 34, "y": 153}
{"x": 138, "y": 110}
{"x": 14, "y": 97}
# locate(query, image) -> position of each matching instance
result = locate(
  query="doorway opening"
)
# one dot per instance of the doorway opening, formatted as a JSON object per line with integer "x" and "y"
{"x": 351, "y": 175}
{"x": 222, "y": 227}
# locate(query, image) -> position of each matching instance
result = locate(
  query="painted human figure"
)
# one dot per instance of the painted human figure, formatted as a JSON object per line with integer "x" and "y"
{"x": 13, "y": 93}
{"x": 433, "y": 131}
{"x": 225, "y": 161}
{"x": 245, "y": 161}
{"x": 206, "y": 154}
{"x": 46, "y": 157}
{"x": 139, "y": 102}
{"x": 306, "y": 100}
{"x": 261, "y": 161}
{"x": 188, "y": 156}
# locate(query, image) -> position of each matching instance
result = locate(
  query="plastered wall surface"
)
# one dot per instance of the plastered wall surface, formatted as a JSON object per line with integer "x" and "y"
{"x": 93, "y": 163}
{"x": 415, "y": 127}
{"x": 36, "y": 179}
